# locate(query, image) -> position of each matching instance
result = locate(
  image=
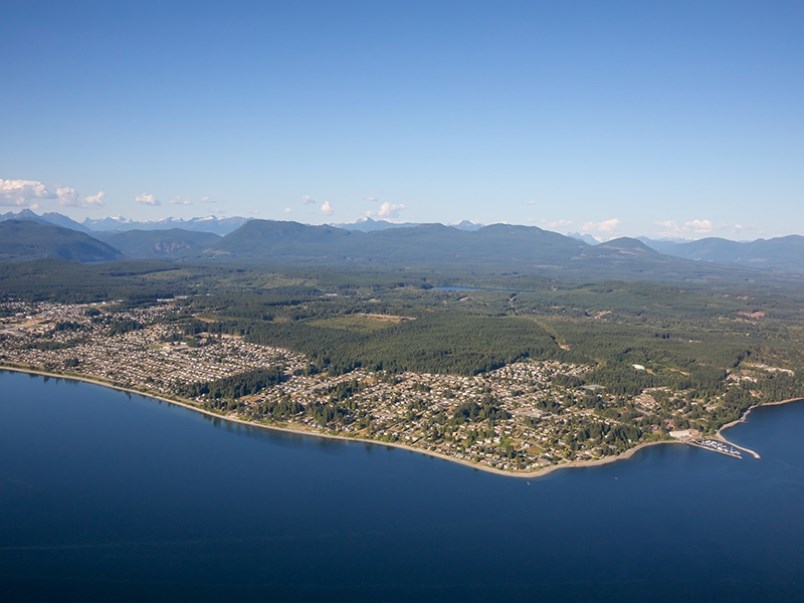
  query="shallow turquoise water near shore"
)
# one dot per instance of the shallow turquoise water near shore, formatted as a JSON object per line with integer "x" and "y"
{"x": 105, "y": 495}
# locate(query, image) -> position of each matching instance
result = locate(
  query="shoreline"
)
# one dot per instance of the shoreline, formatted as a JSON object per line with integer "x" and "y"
{"x": 719, "y": 433}
{"x": 544, "y": 471}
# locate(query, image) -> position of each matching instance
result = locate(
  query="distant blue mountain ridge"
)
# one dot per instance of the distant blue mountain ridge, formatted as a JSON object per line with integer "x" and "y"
{"x": 381, "y": 243}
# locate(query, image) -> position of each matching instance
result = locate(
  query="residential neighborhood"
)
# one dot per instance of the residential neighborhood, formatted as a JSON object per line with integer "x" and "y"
{"x": 520, "y": 418}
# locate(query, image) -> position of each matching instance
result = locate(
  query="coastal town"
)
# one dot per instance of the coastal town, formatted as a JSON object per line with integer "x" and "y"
{"x": 521, "y": 418}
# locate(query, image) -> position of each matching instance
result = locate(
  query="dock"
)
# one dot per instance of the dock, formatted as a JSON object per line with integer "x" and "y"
{"x": 717, "y": 444}
{"x": 722, "y": 446}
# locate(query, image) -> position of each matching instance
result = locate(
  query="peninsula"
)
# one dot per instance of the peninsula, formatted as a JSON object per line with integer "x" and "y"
{"x": 525, "y": 417}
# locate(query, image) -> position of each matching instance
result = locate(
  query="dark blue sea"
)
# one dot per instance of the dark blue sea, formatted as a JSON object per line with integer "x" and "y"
{"x": 107, "y": 496}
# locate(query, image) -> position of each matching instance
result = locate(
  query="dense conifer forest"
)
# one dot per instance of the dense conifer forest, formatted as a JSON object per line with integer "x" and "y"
{"x": 688, "y": 337}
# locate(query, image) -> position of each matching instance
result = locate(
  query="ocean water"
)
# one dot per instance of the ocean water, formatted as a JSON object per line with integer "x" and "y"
{"x": 114, "y": 497}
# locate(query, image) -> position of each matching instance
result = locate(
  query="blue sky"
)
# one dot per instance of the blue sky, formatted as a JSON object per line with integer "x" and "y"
{"x": 614, "y": 118}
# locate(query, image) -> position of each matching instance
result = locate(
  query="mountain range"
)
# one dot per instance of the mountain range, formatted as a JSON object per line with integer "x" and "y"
{"x": 781, "y": 253}
{"x": 30, "y": 240}
{"x": 155, "y": 244}
{"x": 385, "y": 245}
{"x": 214, "y": 224}
{"x": 370, "y": 225}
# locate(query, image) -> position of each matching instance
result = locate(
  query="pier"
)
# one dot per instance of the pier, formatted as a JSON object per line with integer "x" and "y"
{"x": 717, "y": 444}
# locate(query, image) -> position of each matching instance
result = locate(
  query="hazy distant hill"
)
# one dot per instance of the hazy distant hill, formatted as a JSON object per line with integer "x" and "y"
{"x": 213, "y": 224}
{"x": 53, "y": 218}
{"x": 379, "y": 244}
{"x": 370, "y": 225}
{"x": 494, "y": 248}
{"x": 586, "y": 238}
{"x": 58, "y": 219}
{"x": 22, "y": 240}
{"x": 434, "y": 244}
{"x": 628, "y": 245}
{"x": 173, "y": 243}
{"x": 25, "y": 214}
{"x": 782, "y": 253}
{"x": 273, "y": 239}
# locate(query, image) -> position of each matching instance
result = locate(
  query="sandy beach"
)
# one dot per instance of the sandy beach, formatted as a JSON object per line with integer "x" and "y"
{"x": 307, "y": 432}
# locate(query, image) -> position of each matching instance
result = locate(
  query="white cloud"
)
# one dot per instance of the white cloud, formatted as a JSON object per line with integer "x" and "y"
{"x": 181, "y": 201}
{"x": 206, "y": 199}
{"x": 287, "y": 210}
{"x": 390, "y": 210}
{"x": 22, "y": 193}
{"x": 95, "y": 200}
{"x": 387, "y": 210}
{"x": 327, "y": 209}
{"x": 147, "y": 199}
{"x": 555, "y": 224}
{"x": 372, "y": 199}
{"x": 605, "y": 227}
{"x": 699, "y": 226}
{"x": 308, "y": 200}
{"x": 67, "y": 196}
{"x": 25, "y": 193}
{"x": 671, "y": 228}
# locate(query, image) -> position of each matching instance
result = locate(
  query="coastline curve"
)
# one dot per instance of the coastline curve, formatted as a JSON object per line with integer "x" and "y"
{"x": 542, "y": 472}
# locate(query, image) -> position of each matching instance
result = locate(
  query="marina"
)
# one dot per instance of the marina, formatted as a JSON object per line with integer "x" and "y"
{"x": 718, "y": 446}
{"x": 718, "y": 443}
